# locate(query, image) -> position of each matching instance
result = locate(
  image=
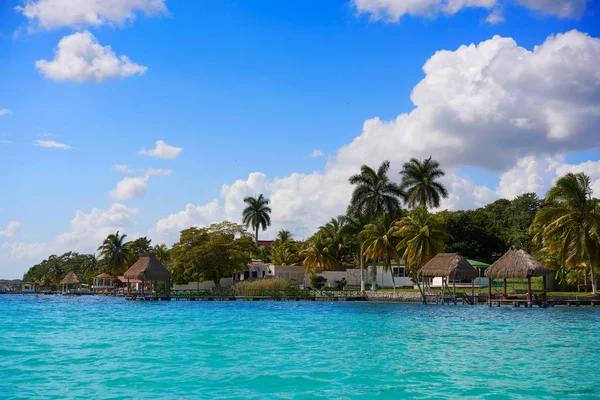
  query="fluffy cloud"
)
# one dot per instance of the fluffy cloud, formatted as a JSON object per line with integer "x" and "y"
{"x": 4, "y": 111}
{"x": 50, "y": 14}
{"x": 11, "y": 229}
{"x": 316, "y": 154}
{"x": 52, "y": 144}
{"x": 393, "y": 10}
{"x": 85, "y": 235}
{"x": 562, "y": 8}
{"x": 492, "y": 106}
{"x": 122, "y": 168}
{"x": 162, "y": 150}
{"x": 81, "y": 58}
{"x": 134, "y": 187}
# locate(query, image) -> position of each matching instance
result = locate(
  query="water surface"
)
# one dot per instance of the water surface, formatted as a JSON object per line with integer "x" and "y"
{"x": 97, "y": 347}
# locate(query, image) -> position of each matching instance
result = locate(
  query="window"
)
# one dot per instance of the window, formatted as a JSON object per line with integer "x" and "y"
{"x": 398, "y": 272}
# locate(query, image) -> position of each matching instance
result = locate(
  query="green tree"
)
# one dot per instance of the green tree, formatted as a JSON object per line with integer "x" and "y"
{"x": 212, "y": 253}
{"x": 284, "y": 236}
{"x": 115, "y": 252}
{"x": 569, "y": 224}
{"x": 137, "y": 248}
{"x": 257, "y": 213}
{"x": 421, "y": 238}
{"x": 374, "y": 192}
{"x": 379, "y": 245}
{"x": 162, "y": 253}
{"x": 354, "y": 224}
{"x": 285, "y": 254}
{"x": 420, "y": 183}
{"x": 317, "y": 254}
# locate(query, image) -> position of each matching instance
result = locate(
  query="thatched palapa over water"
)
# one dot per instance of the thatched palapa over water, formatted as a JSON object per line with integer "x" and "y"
{"x": 516, "y": 263}
{"x": 71, "y": 279}
{"x": 451, "y": 265}
{"x": 148, "y": 268}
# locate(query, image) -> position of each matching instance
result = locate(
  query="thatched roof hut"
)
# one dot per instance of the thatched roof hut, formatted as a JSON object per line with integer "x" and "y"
{"x": 71, "y": 279}
{"x": 451, "y": 265}
{"x": 516, "y": 263}
{"x": 148, "y": 268}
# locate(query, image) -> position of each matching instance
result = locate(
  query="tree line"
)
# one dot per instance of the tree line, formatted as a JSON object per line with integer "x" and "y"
{"x": 384, "y": 222}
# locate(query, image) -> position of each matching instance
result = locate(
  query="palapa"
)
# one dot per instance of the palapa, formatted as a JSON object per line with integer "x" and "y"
{"x": 451, "y": 265}
{"x": 516, "y": 263}
{"x": 148, "y": 268}
{"x": 71, "y": 279}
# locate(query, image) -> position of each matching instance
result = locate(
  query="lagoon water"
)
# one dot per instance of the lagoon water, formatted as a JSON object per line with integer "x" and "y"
{"x": 96, "y": 347}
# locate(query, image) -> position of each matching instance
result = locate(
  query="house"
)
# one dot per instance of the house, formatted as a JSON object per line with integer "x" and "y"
{"x": 3, "y": 286}
{"x": 104, "y": 283}
{"x": 396, "y": 275}
{"x": 28, "y": 287}
{"x": 136, "y": 284}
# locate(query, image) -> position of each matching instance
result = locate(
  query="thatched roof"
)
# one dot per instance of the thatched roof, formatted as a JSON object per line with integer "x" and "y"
{"x": 70, "y": 279}
{"x": 148, "y": 268}
{"x": 449, "y": 264}
{"x": 104, "y": 275}
{"x": 516, "y": 263}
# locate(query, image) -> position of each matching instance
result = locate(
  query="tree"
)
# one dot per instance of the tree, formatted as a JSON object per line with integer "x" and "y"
{"x": 333, "y": 232}
{"x": 374, "y": 192}
{"x": 212, "y": 253}
{"x": 420, "y": 183}
{"x": 284, "y": 236}
{"x": 380, "y": 245}
{"x": 140, "y": 247}
{"x": 421, "y": 239}
{"x": 354, "y": 224}
{"x": 569, "y": 224}
{"x": 162, "y": 253}
{"x": 115, "y": 252}
{"x": 318, "y": 255}
{"x": 256, "y": 214}
{"x": 285, "y": 254}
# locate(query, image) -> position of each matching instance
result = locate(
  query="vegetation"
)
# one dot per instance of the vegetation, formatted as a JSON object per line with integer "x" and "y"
{"x": 563, "y": 231}
{"x": 257, "y": 214}
{"x": 249, "y": 288}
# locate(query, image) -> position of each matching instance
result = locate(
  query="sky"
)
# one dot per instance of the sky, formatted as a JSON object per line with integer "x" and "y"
{"x": 151, "y": 116}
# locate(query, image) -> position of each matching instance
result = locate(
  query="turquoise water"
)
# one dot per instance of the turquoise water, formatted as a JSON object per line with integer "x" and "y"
{"x": 93, "y": 347}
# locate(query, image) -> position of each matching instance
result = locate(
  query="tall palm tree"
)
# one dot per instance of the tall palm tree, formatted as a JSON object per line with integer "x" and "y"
{"x": 256, "y": 214}
{"x": 420, "y": 183}
{"x": 114, "y": 251}
{"x": 162, "y": 253}
{"x": 318, "y": 255}
{"x": 421, "y": 238}
{"x": 354, "y": 224}
{"x": 333, "y": 232}
{"x": 380, "y": 246}
{"x": 569, "y": 224}
{"x": 374, "y": 191}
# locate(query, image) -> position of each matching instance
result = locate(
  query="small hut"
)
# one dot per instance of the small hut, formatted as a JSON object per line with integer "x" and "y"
{"x": 148, "y": 269}
{"x": 449, "y": 266}
{"x": 70, "y": 281}
{"x": 516, "y": 263}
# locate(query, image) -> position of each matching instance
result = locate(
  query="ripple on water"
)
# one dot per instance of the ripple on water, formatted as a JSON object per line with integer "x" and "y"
{"x": 56, "y": 347}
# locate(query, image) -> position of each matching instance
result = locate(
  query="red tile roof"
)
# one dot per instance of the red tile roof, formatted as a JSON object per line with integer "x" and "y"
{"x": 104, "y": 275}
{"x": 124, "y": 280}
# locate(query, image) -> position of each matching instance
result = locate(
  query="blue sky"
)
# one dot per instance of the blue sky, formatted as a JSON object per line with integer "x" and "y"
{"x": 247, "y": 87}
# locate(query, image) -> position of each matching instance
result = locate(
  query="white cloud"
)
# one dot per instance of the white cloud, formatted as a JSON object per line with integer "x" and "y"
{"x": 52, "y": 144}
{"x": 162, "y": 150}
{"x": 47, "y": 134}
{"x": 559, "y": 8}
{"x": 316, "y": 154}
{"x": 5, "y": 142}
{"x": 51, "y": 14}
{"x": 393, "y": 10}
{"x": 4, "y": 111}
{"x": 80, "y": 58}
{"x": 492, "y": 106}
{"x": 11, "y": 229}
{"x": 135, "y": 187}
{"x": 122, "y": 168}
{"x": 85, "y": 235}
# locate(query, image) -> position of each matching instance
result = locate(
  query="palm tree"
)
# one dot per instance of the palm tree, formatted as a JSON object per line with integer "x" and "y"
{"x": 284, "y": 236}
{"x": 569, "y": 224}
{"x": 380, "y": 246}
{"x": 354, "y": 224}
{"x": 284, "y": 254}
{"x": 420, "y": 183}
{"x": 333, "y": 232}
{"x": 256, "y": 214}
{"x": 115, "y": 252}
{"x": 374, "y": 192}
{"x": 318, "y": 256}
{"x": 421, "y": 238}
{"x": 162, "y": 253}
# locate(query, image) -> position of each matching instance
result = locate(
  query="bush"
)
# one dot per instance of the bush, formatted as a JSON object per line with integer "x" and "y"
{"x": 317, "y": 282}
{"x": 249, "y": 288}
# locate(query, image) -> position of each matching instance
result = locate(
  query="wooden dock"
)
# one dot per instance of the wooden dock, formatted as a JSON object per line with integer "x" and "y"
{"x": 544, "y": 303}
